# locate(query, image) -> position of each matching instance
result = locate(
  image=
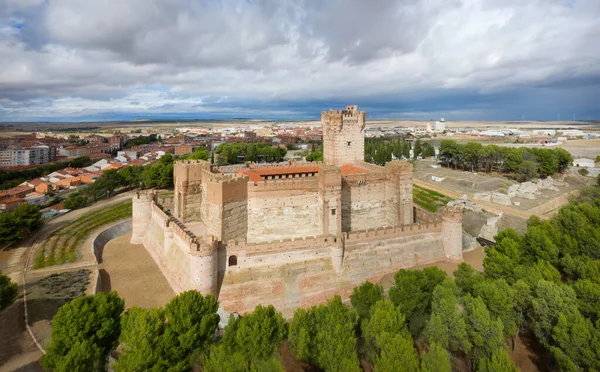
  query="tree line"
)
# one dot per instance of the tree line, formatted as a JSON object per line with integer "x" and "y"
{"x": 523, "y": 163}
{"x": 380, "y": 150}
{"x": 142, "y": 140}
{"x": 229, "y": 153}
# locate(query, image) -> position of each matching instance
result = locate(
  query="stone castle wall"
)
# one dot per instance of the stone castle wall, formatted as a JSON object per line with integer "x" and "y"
{"x": 306, "y": 277}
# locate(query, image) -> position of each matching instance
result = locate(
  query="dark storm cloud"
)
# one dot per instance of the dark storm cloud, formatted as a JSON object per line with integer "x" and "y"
{"x": 403, "y": 58}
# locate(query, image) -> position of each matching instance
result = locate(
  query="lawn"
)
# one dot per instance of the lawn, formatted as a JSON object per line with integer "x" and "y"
{"x": 61, "y": 246}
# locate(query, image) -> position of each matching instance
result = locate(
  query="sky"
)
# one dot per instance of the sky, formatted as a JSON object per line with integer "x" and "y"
{"x": 75, "y": 60}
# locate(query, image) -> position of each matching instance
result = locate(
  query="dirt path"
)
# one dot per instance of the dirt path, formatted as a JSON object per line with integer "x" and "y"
{"x": 12, "y": 263}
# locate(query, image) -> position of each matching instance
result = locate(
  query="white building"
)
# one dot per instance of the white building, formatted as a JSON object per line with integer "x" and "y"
{"x": 584, "y": 163}
{"x": 19, "y": 156}
{"x": 439, "y": 126}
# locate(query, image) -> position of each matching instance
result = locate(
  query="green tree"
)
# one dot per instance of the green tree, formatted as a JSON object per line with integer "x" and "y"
{"x": 83, "y": 356}
{"x": 385, "y": 319}
{"x": 8, "y": 291}
{"x": 171, "y": 335}
{"x": 260, "y": 332}
{"x": 588, "y": 297}
{"x": 331, "y": 344}
{"x": 499, "y": 298}
{"x": 498, "y": 362}
{"x": 447, "y": 325}
{"x": 364, "y": 297}
{"x": 473, "y": 151}
{"x": 541, "y": 270}
{"x": 467, "y": 277}
{"x": 565, "y": 159}
{"x": 221, "y": 359}
{"x": 549, "y": 301}
{"x": 142, "y": 333}
{"x": 200, "y": 153}
{"x": 75, "y": 202}
{"x": 192, "y": 321}
{"x": 84, "y": 321}
{"x": 19, "y": 223}
{"x": 412, "y": 291}
{"x": 303, "y": 329}
{"x": 397, "y": 354}
{"x": 539, "y": 244}
{"x": 577, "y": 343}
{"x": 436, "y": 360}
{"x": 485, "y": 333}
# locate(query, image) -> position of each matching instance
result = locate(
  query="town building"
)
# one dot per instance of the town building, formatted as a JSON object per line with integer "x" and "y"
{"x": 15, "y": 156}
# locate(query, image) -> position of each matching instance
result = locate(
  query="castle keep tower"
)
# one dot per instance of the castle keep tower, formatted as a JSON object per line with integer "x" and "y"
{"x": 343, "y": 136}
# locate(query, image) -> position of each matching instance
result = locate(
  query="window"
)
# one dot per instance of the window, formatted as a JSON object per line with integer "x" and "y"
{"x": 349, "y": 143}
{"x": 333, "y": 212}
{"x": 232, "y": 261}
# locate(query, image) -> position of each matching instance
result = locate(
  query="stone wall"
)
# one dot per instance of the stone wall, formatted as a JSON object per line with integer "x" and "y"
{"x": 284, "y": 213}
{"x": 364, "y": 205}
{"x": 114, "y": 231}
{"x": 301, "y": 278}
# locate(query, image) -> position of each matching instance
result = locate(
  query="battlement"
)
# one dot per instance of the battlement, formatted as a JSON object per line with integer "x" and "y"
{"x": 230, "y": 178}
{"x": 452, "y": 214}
{"x": 144, "y": 195}
{"x": 179, "y": 229}
{"x": 192, "y": 162}
{"x": 279, "y": 246}
{"x": 305, "y": 182}
{"x": 185, "y": 171}
{"x": 398, "y": 166}
{"x": 364, "y": 177}
{"x": 393, "y": 232}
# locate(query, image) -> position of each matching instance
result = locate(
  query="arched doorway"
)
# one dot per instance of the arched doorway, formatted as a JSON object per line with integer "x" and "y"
{"x": 232, "y": 261}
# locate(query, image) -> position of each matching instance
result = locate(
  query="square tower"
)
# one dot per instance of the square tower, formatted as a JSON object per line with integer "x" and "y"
{"x": 343, "y": 136}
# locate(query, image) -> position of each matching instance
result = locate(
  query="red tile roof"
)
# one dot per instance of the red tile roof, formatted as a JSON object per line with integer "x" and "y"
{"x": 351, "y": 169}
{"x": 11, "y": 200}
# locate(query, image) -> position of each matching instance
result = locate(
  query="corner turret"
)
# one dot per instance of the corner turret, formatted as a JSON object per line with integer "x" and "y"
{"x": 452, "y": 233}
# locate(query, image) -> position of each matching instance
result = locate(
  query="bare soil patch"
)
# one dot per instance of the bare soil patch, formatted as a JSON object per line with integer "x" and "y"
{"x": 130, "y": 270}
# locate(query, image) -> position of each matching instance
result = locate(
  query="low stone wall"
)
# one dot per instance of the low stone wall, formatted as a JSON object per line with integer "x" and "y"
{"x": 114, "y": 231}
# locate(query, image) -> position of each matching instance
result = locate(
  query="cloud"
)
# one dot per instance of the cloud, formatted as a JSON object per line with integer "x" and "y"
{"x": 67, "y": 59}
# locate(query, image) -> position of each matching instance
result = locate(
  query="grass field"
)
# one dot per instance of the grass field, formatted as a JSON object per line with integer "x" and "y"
{"x": 61, "y": 246}
{"x": 428, "y": 199}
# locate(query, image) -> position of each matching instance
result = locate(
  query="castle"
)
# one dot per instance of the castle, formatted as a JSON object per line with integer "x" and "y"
{"x": 296, "y": 234}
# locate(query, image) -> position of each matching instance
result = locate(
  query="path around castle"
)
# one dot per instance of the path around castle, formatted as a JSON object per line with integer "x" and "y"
{"x": 544, "y": 210}
{"x": 17, "y": 348}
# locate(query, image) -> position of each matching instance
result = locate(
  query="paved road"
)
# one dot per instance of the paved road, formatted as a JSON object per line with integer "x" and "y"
{"x": 21, "y": 350}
